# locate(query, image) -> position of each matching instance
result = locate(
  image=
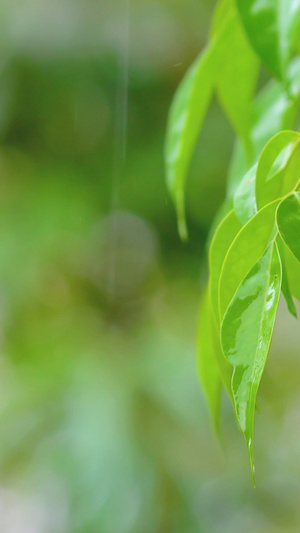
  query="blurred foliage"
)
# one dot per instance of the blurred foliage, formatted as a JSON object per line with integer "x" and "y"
{"x": 103, "y": 426}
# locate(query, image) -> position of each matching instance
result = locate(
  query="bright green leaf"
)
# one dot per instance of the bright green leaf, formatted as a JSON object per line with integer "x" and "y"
{"x": 288, "y": 223}
{"x": 282, "y": 183}
{"x": 191, "y": 101}
{"x": 246, "y": 249}
{"x": 289, "y": 18}
{"x": 264, "y": 176}
{"x": 246, "y": 336}
{"x": 236, "y": 81}
{"x": 223, "y": 10}
{"x": 223, "y": 238}
{"x": 187, "y": 113}
{"x": 270, "y": 26}
{"x": 273, "y": 111}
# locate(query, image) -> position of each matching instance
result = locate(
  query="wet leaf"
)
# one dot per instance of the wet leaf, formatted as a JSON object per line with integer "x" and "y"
{"x": 235, "y": 82}
{"x": 244, "y": 200}
{"x": 246, "y": 249}
{"x": 273, "y": 111}
{"x": 246, "y": 336}
{"x": 266, "y": 181}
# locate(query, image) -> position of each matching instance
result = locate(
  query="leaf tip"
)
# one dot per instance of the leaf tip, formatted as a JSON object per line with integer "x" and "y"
{"x": 182, "y": 230}
{"x": 252, "y": 467}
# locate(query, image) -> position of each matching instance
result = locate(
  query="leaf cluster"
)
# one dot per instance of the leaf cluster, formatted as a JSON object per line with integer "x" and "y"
{"x": 254, "y": 254}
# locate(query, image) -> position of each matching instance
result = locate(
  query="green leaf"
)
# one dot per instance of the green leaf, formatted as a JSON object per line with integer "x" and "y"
{"x": 206, "y": 362}
{"x": 284, "y": 182}
{"x": 288, "y": 223}
{"x": 225, "y": 368}
{"x": 186, "y": 116}
{"x": 293, "y": 272}
{"x": 246, "y": 336}
{"x": 244, "y": 200}
{"x": 270, "y": 26}
{"x": 265, "y": 175}
{"x": 223, "y": 238}
{"x": 285, "y": 285}
{"x": 247, "y": 248}
{"x": 223, "y": 10}
{"x": 236, "y": 80}
{"x": 289, "y": 18}
{"x": 273, "y": 111}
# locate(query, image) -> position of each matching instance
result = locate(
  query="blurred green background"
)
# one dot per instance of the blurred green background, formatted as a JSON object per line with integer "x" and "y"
{"x": 103, "y": 426}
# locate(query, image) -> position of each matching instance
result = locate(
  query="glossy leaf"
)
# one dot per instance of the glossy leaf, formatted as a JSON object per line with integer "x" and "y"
{"x": 246, "y": 249}
{"x": 284, "y": 182}
{"x": 270, "y": 26}
{"x": 255, "y": 250}
{"x": 244, "y": 200}
{"x": 288, "y": 223}
{"x": 274, "y": 110}
{"x": 207, "y": 364}
{"x": 223, "y": 238}
{"x": 289, "y": 18}
{"x": 269, "y": 156}
{"x": 246, "y": 336}
{"x": 236, "y": 80}
{"x": 185, "y": 119}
